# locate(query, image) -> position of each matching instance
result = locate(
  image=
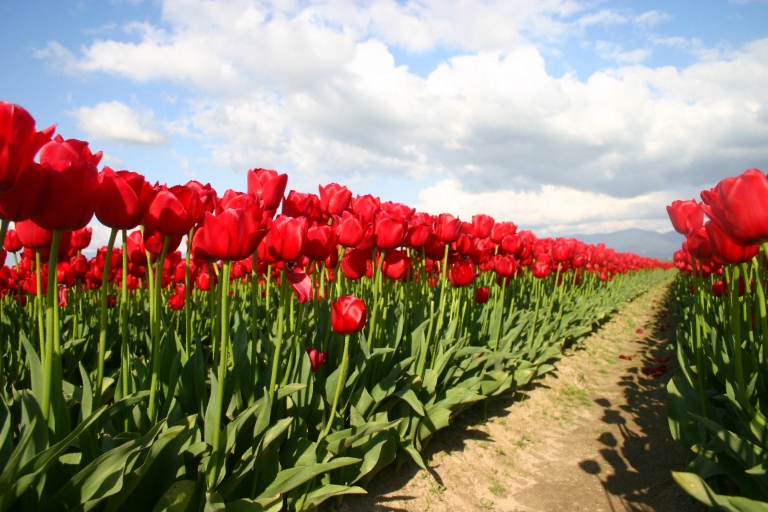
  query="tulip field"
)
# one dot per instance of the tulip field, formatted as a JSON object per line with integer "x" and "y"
{"x": 717, "y": 406}
{"x": 303, "y": 342}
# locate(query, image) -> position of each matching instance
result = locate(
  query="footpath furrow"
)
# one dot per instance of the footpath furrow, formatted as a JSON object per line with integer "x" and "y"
{"x": 591, "y": 436}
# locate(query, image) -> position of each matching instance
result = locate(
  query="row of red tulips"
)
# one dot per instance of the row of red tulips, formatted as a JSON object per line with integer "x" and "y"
{"x": 717, "y": 407}
{"x": 297, "y": 352}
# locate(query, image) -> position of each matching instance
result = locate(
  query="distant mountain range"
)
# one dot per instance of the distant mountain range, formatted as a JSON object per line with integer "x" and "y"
{"x": 639, "y": 241}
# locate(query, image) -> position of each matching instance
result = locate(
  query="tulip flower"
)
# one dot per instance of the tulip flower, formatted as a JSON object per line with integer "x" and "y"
{"x": 285, "y": 239}
{"x": 81, "y": 238}
{"x": 481, "y": 295}
{"x": 395, "y": 264}
{"x": 173, "y": 211}
{"x": 267, "y": 185}
{"x": 541, "y": 269}
{"x": 686, "y": 216}
{"x": 68, "y": 198}
{"x": 33, "y": 236}
{"x": 501, "y": 229}
{"x": 366, "y": 207}
{"x": 21, "y": 201}
{"x": 462, "y": 273}
{"x": 739, "y": 207}
{"x": 348, "y": 315}
{"x": 727, "y": 251}
{"x": 334, "y": 199}
{"x": 349, "y": 230}
{"x": 388, "y": 231}
{"x": 176, "y": 302}
{"x": 298, "y": 205}
{"x": 482, "y": 224}
{"x": 123, "y": 200}
{"x": 354, "y": 264}
{"x": 419, "y": 229}
{"x": 316, "y": 358}
{"x": 12, "y": 242}
{"x": 19, "y": 143}
{"x": 320, "y": 242}
{"x": 447, "y": 228}
{"x": 231, "y": 235}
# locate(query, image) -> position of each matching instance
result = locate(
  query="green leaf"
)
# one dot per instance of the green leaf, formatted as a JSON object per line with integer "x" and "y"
{"x": 9, "y": 475}
{"x": 290, "y": 389}
{"x": 214, "y": 503}
{"x": 291, "y": 478}
{"x": 101, "y": 478}
{"x": 325, "y": 492}
{"x": 177, "y": 498}
{"x": 273, "y": 504}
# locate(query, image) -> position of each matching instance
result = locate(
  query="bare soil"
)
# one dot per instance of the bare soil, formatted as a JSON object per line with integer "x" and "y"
{"x": 590, "y": 436}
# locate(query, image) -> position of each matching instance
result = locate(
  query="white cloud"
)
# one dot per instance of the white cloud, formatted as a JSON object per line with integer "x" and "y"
{"x": 550, "y": 210}
{"x": 117, "y": 122}
{"x": 312, "y": 88}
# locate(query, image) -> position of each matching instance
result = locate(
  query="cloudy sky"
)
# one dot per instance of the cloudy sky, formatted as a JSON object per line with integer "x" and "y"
{"x": 565, "y": 116}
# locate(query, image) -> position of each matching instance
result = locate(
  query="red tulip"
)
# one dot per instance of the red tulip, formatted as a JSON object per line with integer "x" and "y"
{"x": 419, "y": 229}
{"x": 348, "y": 315}
{"x": 388, "y": 231}
{"x": 481, "y": 295}
{"x": 404, "y": 211}
{"x": 12, "y": 242}
{"x": 739, "y": 206}
{"x": 267, "y": 185}
{"x": 482, "y": 224}
{"x": 462, "y": 273}
{"x": 334, "y": 199}
{"x": 21, "y": 201}
{"x": 686, "y": 216}
{"x": 19, "y": 143}
{"x": 33, "y": 236}
{"x": 176, "y": 302}
{"x": 285, "y": 240}
{"x": 233, "y": 233}
{"x": 135, "y": 246}
{"x": 727, "y": 251}
{"x": 349, "y": 230}
{"x": 502, "y": 229}
{"x": 505, "y": 265}
{"x": 207, "y": 196}
{"x": 541, "y": 269}
{"x": 173, "y": 211}
{"x": 699, "y": 244}
{"x": 316, "y": 358}
{"x": 718, "y": 287}
{"x": 354, "y": 264}
{"x": 81, "y": 238}
{"x": 395, "y": 264}
{"x": 447, "y": 228}
{"x": 366, "y": 207}
{"x": 203, "y": 281}
{"x": 124, "y": 197}
{"x": 301, "y": 205}
{"x": 68, "y": 199}
{"x": 320, "y": 242}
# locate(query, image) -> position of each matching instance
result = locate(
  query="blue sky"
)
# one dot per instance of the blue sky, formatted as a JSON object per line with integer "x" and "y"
{"x": 563, "y": 115}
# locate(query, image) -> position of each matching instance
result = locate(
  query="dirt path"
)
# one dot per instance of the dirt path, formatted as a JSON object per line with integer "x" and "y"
{"x": 593, "y": 436}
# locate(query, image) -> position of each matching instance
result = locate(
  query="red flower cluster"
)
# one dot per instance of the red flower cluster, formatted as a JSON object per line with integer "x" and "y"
{"x": 737, "y": 209}
{"x": 312, "y": 235}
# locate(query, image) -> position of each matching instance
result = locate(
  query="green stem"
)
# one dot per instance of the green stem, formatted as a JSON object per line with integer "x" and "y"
{"x": 52, "y": 348}
{"x": 279, "y": 343}
{"x": 217, "y": 458}
{"x": 339, "y": 387}
{"x": 124, "y": 350}
{"x": 156, "y": 335}
{"x": 103, "y": 316}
